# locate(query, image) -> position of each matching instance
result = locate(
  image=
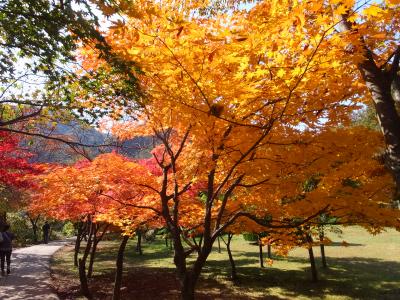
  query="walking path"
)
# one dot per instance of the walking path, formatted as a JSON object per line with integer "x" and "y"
{"x": 30, "y": 273}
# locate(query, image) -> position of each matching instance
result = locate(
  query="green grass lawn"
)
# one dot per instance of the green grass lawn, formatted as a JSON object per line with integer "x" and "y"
{"x": 369, "y": 268}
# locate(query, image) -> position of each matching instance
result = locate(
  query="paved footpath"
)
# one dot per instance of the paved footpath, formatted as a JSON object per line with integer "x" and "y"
{"x": 30, "y": 273}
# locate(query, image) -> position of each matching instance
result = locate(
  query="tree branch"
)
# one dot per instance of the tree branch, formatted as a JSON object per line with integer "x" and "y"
{"x": 264, "y": 223}
{"x": 21, "y": 118}
{"x": 52, "y": 138}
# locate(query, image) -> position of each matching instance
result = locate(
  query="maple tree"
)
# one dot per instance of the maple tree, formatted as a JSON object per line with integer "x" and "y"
{"x": 101, "y": 193}
{"x": 362, "y": 37}
{"x": 39, "y": 69}
{"x": 241, "y": 126}
{"x": 337, "y": 185}
{"x": 367, "y": 41}
{"x": 14, "y": 164}
{"x": 14, "y": 167}
{"x": 347, "y": 47}
{"x": 370, "y": 41}
{"x": 245, "y": 119}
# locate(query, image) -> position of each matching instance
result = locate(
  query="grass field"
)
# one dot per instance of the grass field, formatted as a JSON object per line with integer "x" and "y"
{"x": 369, "y": 268}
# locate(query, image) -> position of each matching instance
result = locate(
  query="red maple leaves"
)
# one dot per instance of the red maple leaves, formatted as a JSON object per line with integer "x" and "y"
{"x": 14, "y": 162}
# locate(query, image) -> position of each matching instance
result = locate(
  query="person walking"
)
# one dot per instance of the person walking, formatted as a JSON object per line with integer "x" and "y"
{"x": 46, "y": 232}
{"x": 6, "y": 249}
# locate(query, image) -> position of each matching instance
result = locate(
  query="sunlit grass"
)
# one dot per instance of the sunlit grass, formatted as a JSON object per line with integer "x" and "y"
{"x": 367, "y": 269}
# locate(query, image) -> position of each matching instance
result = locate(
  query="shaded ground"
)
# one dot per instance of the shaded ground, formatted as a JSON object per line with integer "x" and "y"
{"x": 30, "y": 275}
{"x": 368, "y": 269}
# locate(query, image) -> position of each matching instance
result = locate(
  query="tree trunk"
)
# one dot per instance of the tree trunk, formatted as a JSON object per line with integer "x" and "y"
{"x": 35, "y": 236}
{"x": 312, "y": 259}
{"x": 188, "y": 287}
{"x": 34, "y": 227}
{"x": 118, "y": 274}
{"x": 78, "y": 243}
{"x": 83, "y": 279}
{"x": 388, "y": 119}
{"x": 96, "y": 241}
{"x": 261, "y": 253}
{"x": 269, "y": 251}
{"x": 322, "y": 246}
{"x": 233, "y": 266}
{"x": 139, "y": 243}
{"x": 189, "y": 277}
{"x": 93, "y": 251}
{"x": 219, "y": 245}
{"x": 382, "y": 84}
{"x": 82, "y": 266}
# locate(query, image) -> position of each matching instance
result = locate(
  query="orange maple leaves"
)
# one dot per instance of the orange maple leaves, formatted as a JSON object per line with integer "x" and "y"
{"x": 111, "y": 188}
{"x": 241, "y": 103}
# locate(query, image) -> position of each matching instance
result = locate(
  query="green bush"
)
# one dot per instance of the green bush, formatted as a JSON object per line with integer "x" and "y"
{"x": 250, "y": 237}
{"x": 68, "y": 229}
{"x": 56, "y": 235}
{"x": 20, "y": 226}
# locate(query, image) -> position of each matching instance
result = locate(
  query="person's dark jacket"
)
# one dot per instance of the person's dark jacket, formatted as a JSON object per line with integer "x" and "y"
{"x": 46, "y": 228}
{"x": 6, "y": 245}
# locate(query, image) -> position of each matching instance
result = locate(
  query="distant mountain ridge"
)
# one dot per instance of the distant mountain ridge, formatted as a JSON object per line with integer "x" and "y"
{"x": 49, "y": 151}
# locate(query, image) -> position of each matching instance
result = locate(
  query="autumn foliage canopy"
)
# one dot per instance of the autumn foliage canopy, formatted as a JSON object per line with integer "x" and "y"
{"x": 250, "y": 108}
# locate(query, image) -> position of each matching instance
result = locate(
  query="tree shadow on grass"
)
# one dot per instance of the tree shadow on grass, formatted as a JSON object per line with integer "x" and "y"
{"x": 341, "y": 244}
{"x": 156, "y": 283}
{"x": 355, "y": 277}
{"x": 152, "y": 252}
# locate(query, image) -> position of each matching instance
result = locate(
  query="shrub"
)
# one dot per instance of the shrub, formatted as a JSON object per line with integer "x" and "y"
{"x": 250, "y": 237}
{"x": 68, "y": 229}
{"x": 20, "y": 226}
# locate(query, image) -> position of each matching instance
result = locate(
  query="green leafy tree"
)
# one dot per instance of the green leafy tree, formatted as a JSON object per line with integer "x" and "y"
{"x": 40, "y": 76}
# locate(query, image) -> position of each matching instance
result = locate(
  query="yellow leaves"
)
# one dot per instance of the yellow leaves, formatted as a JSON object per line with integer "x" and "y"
{"x": 335, "y": 2}
{"x": 354, "y": 17}
{"x": 341, "y": 9}
{"x": 335, "y": 64}
{"x": 215, "y": 38}
{"x": 316, "y": 6}
{"x": 299, "y": 15}
{"x": 297, "y": 71}
{"x": 348, "y": 3}
{"x": 133, "y": 51}
{"x": 373, "y": 11}
{"x": 259, "y": 73}
{"x": 281, "y": 73}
